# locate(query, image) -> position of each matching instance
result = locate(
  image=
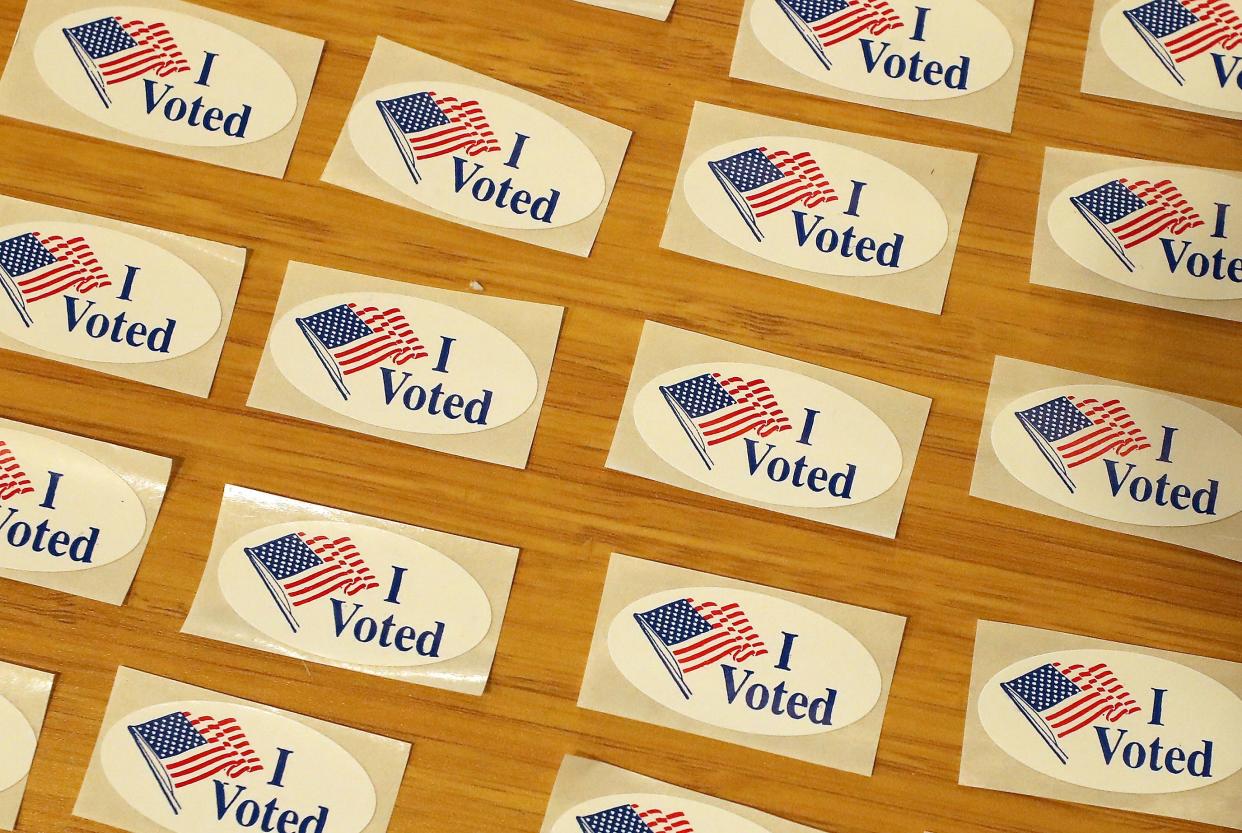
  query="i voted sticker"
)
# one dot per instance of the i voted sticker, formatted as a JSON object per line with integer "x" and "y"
{"x": 1156, "y": 228}
{"x": 62, "y": 510}
{"x": 85, "y": 292}
{"x": 166, "y": 76}
{"x": 816, "y": 205}
{"x": 1114, "y": 720}
{"x": 896, "y": 49}
{"x": 404, "y": 363}
{"x": 1190, "y": 50}
{"x": 1123, "y": 454}
{"x": 641, "y": 812}
{"x": 477, "y": 155}
{"x": 354, "y": 594}
{"x": 19, "y": 742}
{"x": 744, "y": 661}
{"x": 195, "y": 766}
{"x": 768, "y": 435}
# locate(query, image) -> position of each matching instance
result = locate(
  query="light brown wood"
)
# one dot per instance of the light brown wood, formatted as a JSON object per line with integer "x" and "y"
{"x": 487, "y": 764}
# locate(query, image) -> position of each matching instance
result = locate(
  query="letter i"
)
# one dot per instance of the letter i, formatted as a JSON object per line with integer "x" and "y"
{"x": 281, "y": 762}
{"x": 519, "y": 142}
{"x": 208, "y": 59}
{"x": 786, "y": 650}
{"x": 807, "y": 426}
{"x": 446, "y": 345}
{"x": 1167, "y": 446}
{"x": 919, "y": 23}
{"x": 1157, "y": 706}
{"x": 49, "y": 497}
{"x": 128, "y": 286}
{"x": 855, "y": 197}
{"x": 1221, "y": 209}
{"x": 394, "y": 589}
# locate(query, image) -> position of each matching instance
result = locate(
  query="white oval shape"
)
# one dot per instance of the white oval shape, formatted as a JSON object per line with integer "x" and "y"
{"x": 694, "y": 418}
{"x": 19, "y": 744}
{"x": 1084, "y": 420}
{"x": 653, "y": 643}
{"x": 95, "y": 519}
{"x": 1098, "y": 221}
{"x": 441, "y": 612}
{"x": 247, "y": 96}
{"x": 1193, "y": 710}
{"x": 906, "y": 225}
{"x": 319, "y": 777}
{"x": 170, "y": 311}
{"x": 495, "y": 379}
{"x": 962, "y": 48}
{"x": 611, "y": 813}
{"x": 1156, "y": 62}
{"x": 449, "y": 146}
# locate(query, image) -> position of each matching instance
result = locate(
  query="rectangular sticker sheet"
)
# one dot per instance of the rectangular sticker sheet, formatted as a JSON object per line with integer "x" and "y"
{"x": 458, "y": 372}
{"x": 121, "y": 299}
{"x": 746, "y": 425}
{"x": 270, "y": 767}
{"x": 446, "y": 141}
{"x": 870, "y": 217}
{"x": 743, "y": 663}
{"x": 181, "y": 79}
{"x": 76, "y": 513}
{"x": 24, "y": 693}
{"x": 1078, "y": 719}
{"x": 1112, "y": 455}
{"x": 357, "y": 592}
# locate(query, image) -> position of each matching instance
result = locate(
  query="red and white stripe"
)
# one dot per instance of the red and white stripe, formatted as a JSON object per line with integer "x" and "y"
{"x": 13, "y": 480}
{"x": 659, "y": 821}
{"x": 156, "y": 52}
{"x": 1167, "y": 211}
{"x": 731, "y": 636}
{"x": 391, "y": 339}
{"x": 1219, "y": 26}
{"x": 1115, "y": 432}
{"x": 802, "y": 181}
{"x": 76, "y": 268}
{"x": 1102, "y": 697}
{"x": 343, "y": 571}
{"x": 756, "y": 410}
{"x": 468, "y": 130}
{"x": 227, "y": 750}
{"x": 873, "y": 16}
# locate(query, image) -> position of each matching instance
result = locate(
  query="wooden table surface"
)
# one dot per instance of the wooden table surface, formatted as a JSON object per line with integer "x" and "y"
{"x": 488, "y": 763}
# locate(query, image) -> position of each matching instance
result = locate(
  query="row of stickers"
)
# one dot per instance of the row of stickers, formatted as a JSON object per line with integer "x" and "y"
{"x": 856, "y": 214}
{"x": 1050, "y": 714}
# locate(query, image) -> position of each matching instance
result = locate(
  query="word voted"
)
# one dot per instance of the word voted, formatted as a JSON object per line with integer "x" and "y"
{"x": 1154, "y": 754}
{"x": 233, "y": 803}
{"x": 915, "y": 68}
{"x": 85, "y": 318}
{"x": 38, "y": 533}
{"x": 1125, "y": 482}
{"x": 195, "y": 113}
{"x": 357, "y": 624}
{"x": 764, "y": 461}
{"x": 745, "y": 691}
{"x": 848, "y": 242}
{"x": 504, "y": 194}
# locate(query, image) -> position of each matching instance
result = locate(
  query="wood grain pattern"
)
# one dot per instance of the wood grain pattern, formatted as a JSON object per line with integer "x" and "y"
{"x": 488, "y": 763}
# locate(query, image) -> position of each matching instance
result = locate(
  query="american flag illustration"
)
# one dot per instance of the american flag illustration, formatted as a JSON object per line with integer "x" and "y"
{"x": 309, "y": 567}
{"x": 835, "y": 21}
{"x": 1126, "y": 214}
{"x": 183, "y": 749}
{"x": 1071, "y": 432}
{"x": 762, "y": 182}
{"x": 688, "y": 635}
{"x": 435, "y": 125}
{"x": 40, "y": 266}
{"x": 13, "y": 480}
{"x": 714, "y": 408}
{"x": 113, "y": 50}
{"x": 1059, "y": 699}
{"x": 631, "y": 818}
{"x": 350, "y": 338}
{"x": 1178, "y": 30}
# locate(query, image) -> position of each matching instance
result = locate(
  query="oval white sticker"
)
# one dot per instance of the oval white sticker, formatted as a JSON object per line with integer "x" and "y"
{"x": 650, "y": 811}
{"x": 1186, "y": 51}
{"x": 91, "y": 293}
{"x": 354, "y": 593}
{"x": 744, "y": 661}
{"x": 165, "y": 76}
{"x": 916, "y": 51}
{"x": 404, "y": 363}
{"x": 19, "y": 744}
{"x": 768, "y": 434}
{"x": 818, "y": 206}
{"x": 262, "y": 771}
{"x": 1156, "y": 228}
{"x": 1114, "y": 720}
{"x": 477, "y": 155}
{"x": 1122, "y": 454}
{"x": 62, "y": 510}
